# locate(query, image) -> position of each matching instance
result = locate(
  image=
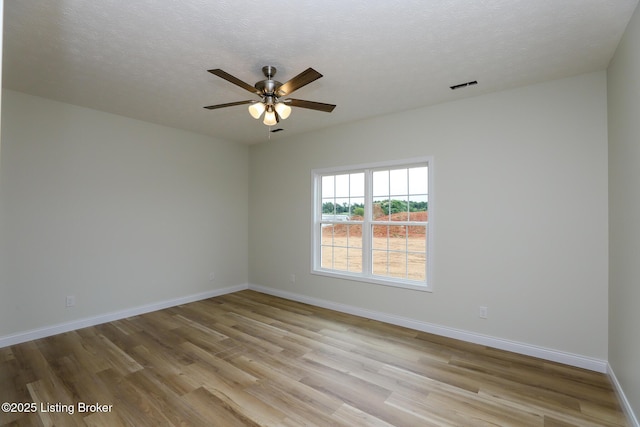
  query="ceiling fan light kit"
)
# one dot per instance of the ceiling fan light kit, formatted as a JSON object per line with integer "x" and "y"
{"x": 272, "y": 104}
{"x": 256, "y": 109}
{"x": 283, "y": 110}
{"x": 270, "y": 117}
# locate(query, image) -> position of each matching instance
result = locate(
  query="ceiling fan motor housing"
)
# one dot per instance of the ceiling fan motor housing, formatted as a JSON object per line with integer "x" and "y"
{"x": 269, "y": 86}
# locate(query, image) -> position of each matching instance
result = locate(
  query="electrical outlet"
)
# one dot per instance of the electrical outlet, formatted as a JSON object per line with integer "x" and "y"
{"x": 483, "y": 312}
{"x": 70, "y": 301}
{"x": 292, "y": 278}
{"x": 212, "y": 275}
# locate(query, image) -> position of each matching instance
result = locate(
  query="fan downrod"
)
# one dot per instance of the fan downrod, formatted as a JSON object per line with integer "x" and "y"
{"x": 269, "y": 71}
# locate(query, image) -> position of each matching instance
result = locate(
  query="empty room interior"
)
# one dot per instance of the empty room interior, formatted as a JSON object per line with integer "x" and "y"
{"x": 433, "y": 220}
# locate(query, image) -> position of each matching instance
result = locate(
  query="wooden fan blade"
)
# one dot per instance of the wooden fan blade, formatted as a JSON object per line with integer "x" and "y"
{"x": 327, "y": 108}
{"x": 302, "y": 79}
{"x": 229, "y": 104}
{"x": 236, "y": 81}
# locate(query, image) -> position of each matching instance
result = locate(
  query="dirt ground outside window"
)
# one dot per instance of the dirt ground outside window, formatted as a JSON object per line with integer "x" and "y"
{"x": 399, "y": 251}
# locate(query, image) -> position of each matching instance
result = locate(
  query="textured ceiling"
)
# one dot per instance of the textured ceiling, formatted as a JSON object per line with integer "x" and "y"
{"x": 147, "y": 59}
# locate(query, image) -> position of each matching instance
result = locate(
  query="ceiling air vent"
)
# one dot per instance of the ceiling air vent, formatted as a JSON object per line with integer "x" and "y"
{"x": 454, "y": 87}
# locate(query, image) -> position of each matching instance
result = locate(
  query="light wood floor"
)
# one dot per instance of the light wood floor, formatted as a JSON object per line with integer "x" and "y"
{"x": 248, "y": 359}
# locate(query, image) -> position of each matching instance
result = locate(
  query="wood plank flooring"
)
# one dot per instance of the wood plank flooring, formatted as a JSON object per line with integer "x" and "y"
{"x": 249, "y": 359}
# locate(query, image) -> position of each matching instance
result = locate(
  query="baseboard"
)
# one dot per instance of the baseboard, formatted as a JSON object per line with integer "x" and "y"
{"x": 109, "y": 317}
{"x": 626, "y": 406}
{"x": 499, "y": 343}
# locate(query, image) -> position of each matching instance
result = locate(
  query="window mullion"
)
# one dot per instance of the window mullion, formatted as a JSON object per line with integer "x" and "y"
{"x": 317, "y": 226}
{"x": 366, "y": 225}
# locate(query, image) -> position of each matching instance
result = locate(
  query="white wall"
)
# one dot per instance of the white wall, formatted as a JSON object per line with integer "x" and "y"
{"x": 623, "y": 77}
{"x": 2, "y": 254}
{"x": 118, "y": 212}
{"x": 521, "y": 213}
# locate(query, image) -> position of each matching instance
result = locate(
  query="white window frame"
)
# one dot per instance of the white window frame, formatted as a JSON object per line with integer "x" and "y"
{"x": 367, "y": 275}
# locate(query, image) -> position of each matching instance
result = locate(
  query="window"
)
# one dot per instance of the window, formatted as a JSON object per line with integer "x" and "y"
{"x": 370, "y": 223}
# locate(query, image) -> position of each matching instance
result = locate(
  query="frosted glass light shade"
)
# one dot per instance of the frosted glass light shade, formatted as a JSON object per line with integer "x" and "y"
{"x": 270, "y": 118}
{"x": 256, "y": 109}
{"x": 283, "y": 110}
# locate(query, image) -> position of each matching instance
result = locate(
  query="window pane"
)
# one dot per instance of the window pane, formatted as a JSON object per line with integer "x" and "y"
{"x": 398, "y": 182}
{"x": 392, "y": 248}
{"x": 342, "y": 209}
{"x": 380, "y": 263}
{"x": 399, "y": 208}
{"x": 339, "y": 231}
{"x": 397, "y": 238}
{"x": 418, "y": 208}
{"x": 416, "y": 267}
{"x": 417, "y": 241}
{"x": 357, "y": 208}
{"x": 342, "y": 185}
{"x": 355, "y": 260}
{"x": 327, "y": 234}
{"x": 418, "y": 180}
{"x": 398, "y": 265}
{"x": 354, "y": 233}
{"x": 328, "y": 207}
{"x": 356, "y": 186}
{"x": 326, "y": 257}
{"x": 339, "y": 258}
{"x": 327, "y": 186}
{"x": 381, "y": 183}
{"x": 381, "y": 208}
{"x": 380, "y": 237}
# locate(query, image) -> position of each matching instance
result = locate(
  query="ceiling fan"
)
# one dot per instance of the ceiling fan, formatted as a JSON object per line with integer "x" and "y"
{"x": 273, "y": 104}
